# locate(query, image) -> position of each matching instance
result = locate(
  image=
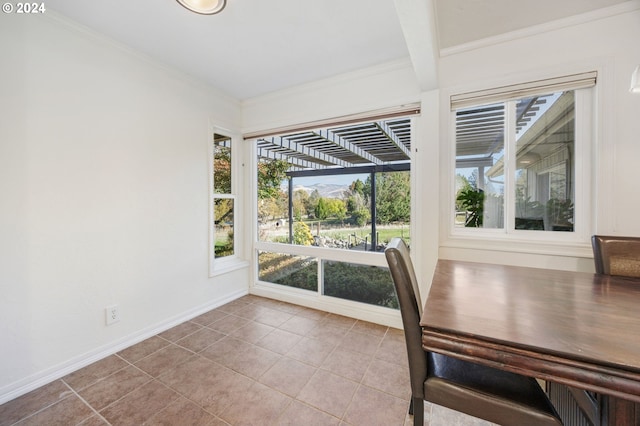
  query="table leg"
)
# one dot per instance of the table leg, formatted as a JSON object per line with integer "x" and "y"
{"x": 619, "y": 412}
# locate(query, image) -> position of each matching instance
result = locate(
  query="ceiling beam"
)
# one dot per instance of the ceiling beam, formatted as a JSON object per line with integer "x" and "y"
{"x": 417, "y": 19}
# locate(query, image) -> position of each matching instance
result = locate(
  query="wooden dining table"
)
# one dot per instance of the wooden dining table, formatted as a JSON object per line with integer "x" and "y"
{"x": 570, "y": 328}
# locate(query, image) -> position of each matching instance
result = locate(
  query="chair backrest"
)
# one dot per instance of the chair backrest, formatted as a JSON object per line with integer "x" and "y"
{"x": 406, "y": 285}
{"x": 616, "y": 255}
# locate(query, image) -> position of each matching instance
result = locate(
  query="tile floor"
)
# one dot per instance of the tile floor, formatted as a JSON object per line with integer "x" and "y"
{"x": 253, "y": 361}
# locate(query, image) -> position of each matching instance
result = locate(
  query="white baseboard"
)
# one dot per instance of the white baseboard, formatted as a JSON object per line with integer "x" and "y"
{"x": 30, "y": 383}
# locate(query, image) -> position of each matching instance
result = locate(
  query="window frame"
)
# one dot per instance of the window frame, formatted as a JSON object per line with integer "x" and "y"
{"x": 235, "y": 261}
{"x": 318, "y": 299}
{"x": 509, "y": 238}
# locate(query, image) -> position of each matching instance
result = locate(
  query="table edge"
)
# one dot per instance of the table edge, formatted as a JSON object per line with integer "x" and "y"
{"x": 599, "y": 378}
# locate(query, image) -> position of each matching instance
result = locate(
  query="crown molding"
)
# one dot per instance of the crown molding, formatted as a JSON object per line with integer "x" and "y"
{"x": 398, "y": 64}
{"x": 582, "y": 18}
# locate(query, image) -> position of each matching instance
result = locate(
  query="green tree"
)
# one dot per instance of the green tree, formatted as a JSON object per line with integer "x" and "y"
{"x": 322, "y": 209}
{"x": 282, "y": 203}
{"x": 356, "y": 204}
{"x": 269, "y": 209}
{"x": 357, "y": 187}
{"x": 366, "y": 190}
{"x": 393, "y": 197}
{"x": 336, "y": 208}
{"x": 221, "y": 169}
{"x": 361, "y": 216}
{"x": 300, "y": 203}
{"x": 314, "y": 197}
{"x": 271, "y": 173}
{"x": 330, "y": 207}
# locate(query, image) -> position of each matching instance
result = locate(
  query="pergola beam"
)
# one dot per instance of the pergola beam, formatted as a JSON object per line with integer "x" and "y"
{"x": 388, "y": 133}
{"x": 336, "y": 139}
{"x": 305, "y": 150}
{"x": 305, "y": 164}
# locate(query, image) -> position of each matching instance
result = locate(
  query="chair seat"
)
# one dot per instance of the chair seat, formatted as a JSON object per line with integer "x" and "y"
{"x": 495, "y": 395}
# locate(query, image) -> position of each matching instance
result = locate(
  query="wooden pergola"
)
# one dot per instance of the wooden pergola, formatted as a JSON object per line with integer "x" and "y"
{"x": 372, "y": 143}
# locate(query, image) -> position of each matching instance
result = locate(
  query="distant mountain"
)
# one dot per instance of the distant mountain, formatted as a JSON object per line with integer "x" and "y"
{"x": 326, "y": 190}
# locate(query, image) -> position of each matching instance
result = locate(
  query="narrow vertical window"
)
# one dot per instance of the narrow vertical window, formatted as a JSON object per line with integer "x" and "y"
{"x": 223, "y": 198}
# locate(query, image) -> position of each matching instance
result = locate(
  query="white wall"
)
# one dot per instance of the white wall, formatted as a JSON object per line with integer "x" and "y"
{"x": 103, "y": 198}
{"x": 386, "y": 85}
{"x": 607, "y": 42}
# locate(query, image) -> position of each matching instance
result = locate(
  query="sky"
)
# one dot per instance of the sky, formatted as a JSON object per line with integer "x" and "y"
{"x": 344, "y": 180}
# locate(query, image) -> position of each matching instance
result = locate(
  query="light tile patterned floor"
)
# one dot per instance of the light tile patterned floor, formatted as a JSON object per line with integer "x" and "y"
{"x": 254, "y": 361}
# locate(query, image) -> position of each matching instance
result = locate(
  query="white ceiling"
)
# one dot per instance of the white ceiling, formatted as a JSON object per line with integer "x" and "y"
{"x": 254, "y": 47}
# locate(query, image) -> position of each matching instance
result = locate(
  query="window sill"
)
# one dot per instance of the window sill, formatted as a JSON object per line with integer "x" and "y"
{"x": 224, "y": 267}
{"x": 576, "y": 249}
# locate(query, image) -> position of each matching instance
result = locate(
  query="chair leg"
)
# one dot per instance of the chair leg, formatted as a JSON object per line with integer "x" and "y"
{"x": 417, "y": 406}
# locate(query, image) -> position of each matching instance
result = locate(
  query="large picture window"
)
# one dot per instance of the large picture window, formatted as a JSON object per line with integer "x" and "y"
{"x": 518, "y": 152}
{"x": 328, "y": 201}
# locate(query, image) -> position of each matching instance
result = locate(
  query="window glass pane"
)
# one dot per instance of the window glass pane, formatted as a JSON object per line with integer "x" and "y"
{"x": 327, "y": 210}
{"x": 287, "y": 269}
{"x": 335, "y": 211}
{"x": 223, "y": 231}
{"x": 480, "y": 166}
{"x": 273, "y": 200}
{"x": 316, "y": 187}
{"x": 393, "y": 207}
{"x": 360, "y": 283}
{"x": 221, "y": 164}
{"x": 545, "y": 162}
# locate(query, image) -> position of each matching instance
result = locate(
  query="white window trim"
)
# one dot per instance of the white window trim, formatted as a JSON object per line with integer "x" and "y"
{"x": 576, "y": 243}
{"x": 231, "y": 263}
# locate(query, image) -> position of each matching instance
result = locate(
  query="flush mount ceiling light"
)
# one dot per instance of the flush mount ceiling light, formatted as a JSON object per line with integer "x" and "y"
{"x": 635, "y": 81}
{"x": 528, "y": 158}
{"x": 204, "y": 7}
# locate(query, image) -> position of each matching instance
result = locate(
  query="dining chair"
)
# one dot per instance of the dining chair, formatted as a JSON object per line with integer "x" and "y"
{"x": 616, "y": 255}
{"x": 612, "y": 256}
{"x": 494, "y": 395}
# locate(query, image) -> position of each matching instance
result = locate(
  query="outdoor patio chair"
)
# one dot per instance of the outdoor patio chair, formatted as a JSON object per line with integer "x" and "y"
{"x": 484, "y": 392}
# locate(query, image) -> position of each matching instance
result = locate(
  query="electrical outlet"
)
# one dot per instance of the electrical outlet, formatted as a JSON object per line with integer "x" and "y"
{"x": 112, "y": 314}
